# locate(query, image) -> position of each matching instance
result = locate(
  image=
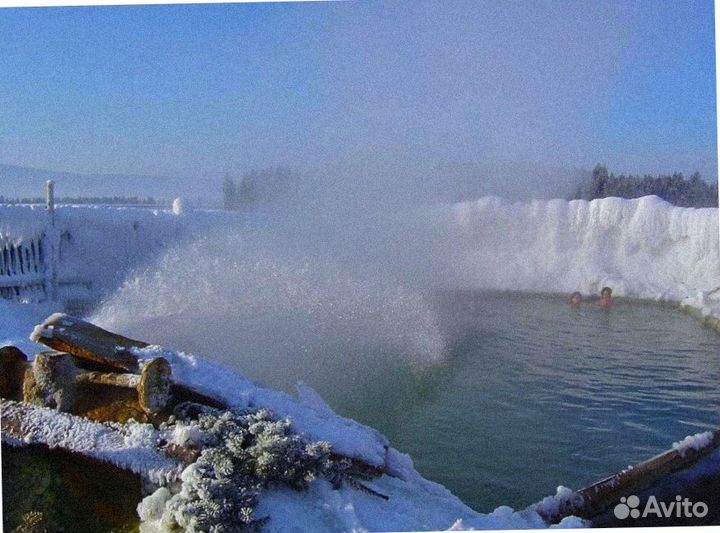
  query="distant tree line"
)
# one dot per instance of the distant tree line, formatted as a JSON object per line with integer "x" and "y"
{"x": 256, "y": 187}
{"x": 85, "y": 200}
{"x": 675, "y": 189}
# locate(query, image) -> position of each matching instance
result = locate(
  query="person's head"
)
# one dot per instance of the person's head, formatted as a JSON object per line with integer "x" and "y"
{"x": 606, "y": 293}
{"x": 575, "y": 298}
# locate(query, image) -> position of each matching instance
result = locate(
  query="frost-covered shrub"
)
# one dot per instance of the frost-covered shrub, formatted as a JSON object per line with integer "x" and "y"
{"x": 242, "y": 454}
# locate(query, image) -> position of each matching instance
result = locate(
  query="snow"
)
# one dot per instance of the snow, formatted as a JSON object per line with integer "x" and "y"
{"x": 178, "y": 206}
{"x": 185, "y": 435}
{"x": 18, "y": 222}
{"x": 18, "y": 319}
{"x": 131, "y": 447}
{"x": 694, "y": 442}
{"x": 118, "y": 239}
{"x": 557, "y": 504}
{"x": 314, "y": 420}
{"x": 152, "y": 506}
{"x": 45, "y": 329}
{"x": 412, "y": 506}
{"x": 642, "y": 248}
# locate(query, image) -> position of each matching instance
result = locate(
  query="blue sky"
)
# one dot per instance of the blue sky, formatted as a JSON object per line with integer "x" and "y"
{"x": 197, "y": 90}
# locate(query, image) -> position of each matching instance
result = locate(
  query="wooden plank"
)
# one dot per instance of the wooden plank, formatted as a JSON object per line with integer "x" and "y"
{"x": 88, "y": 342}
{"x": 600, "y": 496}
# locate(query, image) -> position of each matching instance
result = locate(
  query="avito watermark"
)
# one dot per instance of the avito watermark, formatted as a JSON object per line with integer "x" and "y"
{"x": 679, "y": 508}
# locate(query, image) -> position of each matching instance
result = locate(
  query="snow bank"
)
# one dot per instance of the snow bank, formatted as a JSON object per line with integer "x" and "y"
{"x": 644, "y": 247}
{"x": 132, "y": 447}
{"x": 412, "y": 506}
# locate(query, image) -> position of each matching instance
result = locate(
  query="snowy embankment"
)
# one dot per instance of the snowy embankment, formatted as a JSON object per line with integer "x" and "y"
{"x": 414, "y": 503}
{"x": 642, "y": 248}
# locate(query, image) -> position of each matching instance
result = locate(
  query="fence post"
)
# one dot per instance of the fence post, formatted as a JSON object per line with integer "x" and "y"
{"x": 50, "y": 201}
{"x": 53, "y": 241}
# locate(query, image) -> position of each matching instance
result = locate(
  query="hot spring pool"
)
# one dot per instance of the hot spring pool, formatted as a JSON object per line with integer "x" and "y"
{"x": 531, "y": 393}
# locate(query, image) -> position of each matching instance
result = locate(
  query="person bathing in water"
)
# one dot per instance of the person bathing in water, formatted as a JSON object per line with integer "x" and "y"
{"x": 575, "y": 299}
{"x": 605, "y": 298}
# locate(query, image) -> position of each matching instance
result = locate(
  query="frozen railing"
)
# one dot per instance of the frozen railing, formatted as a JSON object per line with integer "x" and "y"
{"x": 79, "y": 254}
{"x": 28, "y": 265}
{"x": 22, "y": 268}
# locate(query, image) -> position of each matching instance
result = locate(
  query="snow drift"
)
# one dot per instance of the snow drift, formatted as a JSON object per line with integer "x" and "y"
{"x": 642, "y": 248}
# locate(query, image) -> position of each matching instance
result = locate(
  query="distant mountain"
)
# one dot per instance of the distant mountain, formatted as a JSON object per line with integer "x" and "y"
{"x": 19, "y": 182}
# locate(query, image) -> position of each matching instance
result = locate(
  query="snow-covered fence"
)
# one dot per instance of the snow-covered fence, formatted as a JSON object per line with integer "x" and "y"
{"x": 22, "y": 268}
{"x": 28, "y": 265}
{"x": 84, "y": 252}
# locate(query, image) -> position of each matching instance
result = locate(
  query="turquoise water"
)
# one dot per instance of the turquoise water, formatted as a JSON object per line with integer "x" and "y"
{"x": 532, "y": 394}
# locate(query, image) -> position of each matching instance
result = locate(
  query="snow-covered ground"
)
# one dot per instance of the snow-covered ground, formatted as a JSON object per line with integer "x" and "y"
{"x": 641, "y": 248}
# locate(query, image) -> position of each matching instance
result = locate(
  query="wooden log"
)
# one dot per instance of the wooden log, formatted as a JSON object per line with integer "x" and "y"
{"x": 96, "y": 346}
{"x": 13, "y": 363}
{"x": 600, "y": 496}
{"x": 53, "y": 381}
{"x": 152, "y": 386}
{"x": 182, "y": 393}
{"x": 56, "y": 379}
{"x": 88, "y": 342}
{"x": 98, "y": 403}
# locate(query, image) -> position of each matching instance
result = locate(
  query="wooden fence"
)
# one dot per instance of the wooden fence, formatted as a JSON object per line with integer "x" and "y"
{"x": 29, "y": 265}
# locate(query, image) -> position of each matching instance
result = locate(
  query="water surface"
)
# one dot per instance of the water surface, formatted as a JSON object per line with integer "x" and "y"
{"x": 532, "y": 394}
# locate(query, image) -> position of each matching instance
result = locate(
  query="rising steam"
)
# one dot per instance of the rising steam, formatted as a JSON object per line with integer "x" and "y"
{"x": 261, "y": 310}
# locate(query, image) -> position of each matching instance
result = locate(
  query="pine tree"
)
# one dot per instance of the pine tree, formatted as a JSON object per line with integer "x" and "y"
{"x": 675, "y": 189}
{"x": 599, "y": 181}
{"x": 248, "y": 189}
{"x": 230, "y": 200}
